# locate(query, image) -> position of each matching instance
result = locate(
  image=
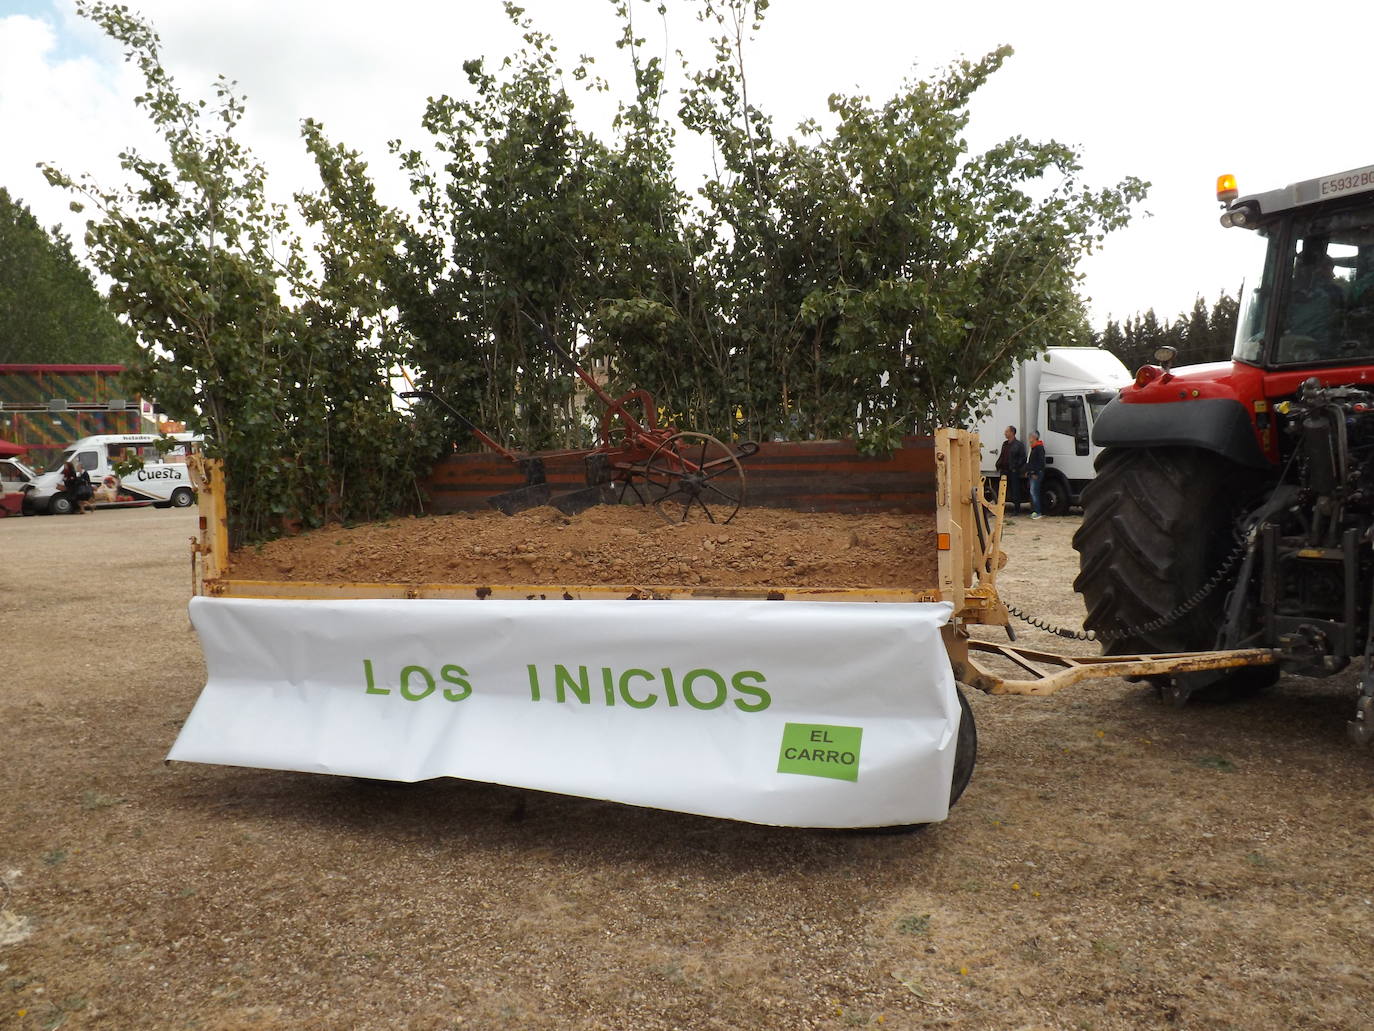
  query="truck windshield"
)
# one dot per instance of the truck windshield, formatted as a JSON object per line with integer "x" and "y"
{"x": 60, "y": 460}
{"x": 1098, "y": 400}
{"x": 1327, "y": 271}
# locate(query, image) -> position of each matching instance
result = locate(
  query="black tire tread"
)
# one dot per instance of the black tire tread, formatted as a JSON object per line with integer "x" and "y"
{"x": 1156, "y": 526}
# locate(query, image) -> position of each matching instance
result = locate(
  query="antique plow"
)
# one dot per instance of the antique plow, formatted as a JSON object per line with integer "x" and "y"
{"x": 682, "y": 474}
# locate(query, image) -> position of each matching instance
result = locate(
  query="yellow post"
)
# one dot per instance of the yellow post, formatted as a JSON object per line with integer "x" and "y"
{"x": 213, "y": 546}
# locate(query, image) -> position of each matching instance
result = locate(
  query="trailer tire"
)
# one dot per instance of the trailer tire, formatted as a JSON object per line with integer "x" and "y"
{"x": 965, "y": 756}
{"x": 965, "y": 748}
{"x": 1157, "y": 524}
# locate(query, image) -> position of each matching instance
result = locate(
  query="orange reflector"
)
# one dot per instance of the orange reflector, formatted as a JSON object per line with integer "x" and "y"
{"x": 942, "y": 541}
{"x": 1226, "y": 188}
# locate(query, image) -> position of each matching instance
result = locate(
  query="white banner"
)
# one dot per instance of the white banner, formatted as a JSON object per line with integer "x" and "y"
{"x": 809, "y": 714}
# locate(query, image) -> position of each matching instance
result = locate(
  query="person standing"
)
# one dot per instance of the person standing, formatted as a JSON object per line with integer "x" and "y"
{"x": 1011, "y": 463}
{"x": 76, "y": 483}
{"x": 1035, "y": 471}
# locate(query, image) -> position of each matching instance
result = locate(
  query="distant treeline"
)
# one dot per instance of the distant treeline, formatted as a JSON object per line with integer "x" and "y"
{"x": 50, "y": 310}
{"x": 1201, "y": 335}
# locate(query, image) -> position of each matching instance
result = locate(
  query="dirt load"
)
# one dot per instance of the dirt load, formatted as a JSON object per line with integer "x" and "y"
{"x": 1115, "y": 864}
{"x": 611, "y": 545}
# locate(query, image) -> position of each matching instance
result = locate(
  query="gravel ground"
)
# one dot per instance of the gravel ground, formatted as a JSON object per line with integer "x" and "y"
{"x": 1115, "y": 863}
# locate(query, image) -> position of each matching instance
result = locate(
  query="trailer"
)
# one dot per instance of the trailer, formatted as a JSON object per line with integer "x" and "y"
{"x": 809, "y": 707}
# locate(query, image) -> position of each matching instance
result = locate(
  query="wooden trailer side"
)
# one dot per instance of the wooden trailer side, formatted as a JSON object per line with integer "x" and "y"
{"x": 967, "y": 542}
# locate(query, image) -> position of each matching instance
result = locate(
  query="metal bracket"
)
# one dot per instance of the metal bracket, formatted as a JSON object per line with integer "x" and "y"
{"x": 1051, "y": 671}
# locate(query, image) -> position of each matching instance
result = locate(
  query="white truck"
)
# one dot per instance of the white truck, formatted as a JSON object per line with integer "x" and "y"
{"x": 1060, "y": 394}
{"x": 159, "y": 479}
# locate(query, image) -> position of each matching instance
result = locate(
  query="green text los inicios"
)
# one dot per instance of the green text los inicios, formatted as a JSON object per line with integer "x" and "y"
{"x": 636, "y": 688}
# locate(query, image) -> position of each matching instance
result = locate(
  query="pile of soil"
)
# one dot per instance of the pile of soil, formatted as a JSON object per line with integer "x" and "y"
{"x": 612, "y": 546}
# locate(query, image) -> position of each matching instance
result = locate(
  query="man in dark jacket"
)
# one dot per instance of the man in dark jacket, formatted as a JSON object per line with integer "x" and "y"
{"x": 1011, "y": 463}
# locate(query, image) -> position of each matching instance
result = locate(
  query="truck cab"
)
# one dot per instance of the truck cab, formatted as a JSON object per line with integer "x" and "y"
{"x": 126, "y": 470}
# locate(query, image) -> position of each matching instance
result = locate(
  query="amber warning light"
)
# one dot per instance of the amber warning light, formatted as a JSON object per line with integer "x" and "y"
{"x": 1226, "y": 188}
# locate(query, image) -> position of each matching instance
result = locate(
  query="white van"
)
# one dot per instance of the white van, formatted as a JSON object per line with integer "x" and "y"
{"x": 161, "y": 480}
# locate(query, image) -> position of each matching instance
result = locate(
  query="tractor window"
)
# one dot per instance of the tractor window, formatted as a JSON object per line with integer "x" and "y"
{"x": 1255, "y": 294}
{"x": 1328, "y": 313}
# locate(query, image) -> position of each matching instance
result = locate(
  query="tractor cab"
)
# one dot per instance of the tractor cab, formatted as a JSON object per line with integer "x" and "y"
{"x": 1310, "y": 298}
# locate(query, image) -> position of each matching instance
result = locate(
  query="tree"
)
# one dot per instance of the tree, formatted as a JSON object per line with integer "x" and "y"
{"x": 875, "y": 279}
{"x": 293, "y": 395}
{"x": 871, "y": 280}
{"x": 50, "y": 311}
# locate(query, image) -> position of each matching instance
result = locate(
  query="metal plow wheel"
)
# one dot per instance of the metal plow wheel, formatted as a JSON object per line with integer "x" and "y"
{"x": 694, "y": 475}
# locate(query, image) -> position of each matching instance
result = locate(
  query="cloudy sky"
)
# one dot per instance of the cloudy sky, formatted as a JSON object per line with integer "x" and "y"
{"x": 1175, "y": 93}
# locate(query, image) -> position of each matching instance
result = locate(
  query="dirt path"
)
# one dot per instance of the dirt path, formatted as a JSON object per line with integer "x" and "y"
{"x": 1116, "y": 863}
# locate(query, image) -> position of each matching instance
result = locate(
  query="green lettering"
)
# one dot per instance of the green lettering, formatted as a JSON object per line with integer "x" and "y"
{"x": 668, "y": 688}
{"x": 579, "y": 687}
{"x": 372, "y": 688}
{"x": 762, "y": 698}
{"x": 405, "y": 683}
{"x": 717, "y": 699}
{"x": 803, "y": 751}
{"x": 534, "y": 683}
{"x": 608, "y": 684}
{"x": 625, "y": 688}
{"x": 456, "y": 675}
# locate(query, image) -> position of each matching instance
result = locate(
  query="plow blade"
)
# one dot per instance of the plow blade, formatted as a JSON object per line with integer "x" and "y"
{"x": 534, "y": 494}
{"x": 513, "y": 501}
{"x": 580, "y": 500}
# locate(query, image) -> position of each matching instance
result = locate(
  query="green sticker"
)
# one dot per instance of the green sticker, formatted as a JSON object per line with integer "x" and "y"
{"x": 816, "y": 750}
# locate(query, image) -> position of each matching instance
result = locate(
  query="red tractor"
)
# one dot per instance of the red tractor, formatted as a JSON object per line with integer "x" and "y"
{"x": 1234, "y": 502}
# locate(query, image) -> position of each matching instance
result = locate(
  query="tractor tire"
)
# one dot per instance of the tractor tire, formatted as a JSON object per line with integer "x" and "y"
{"x": 1157, "y": 525}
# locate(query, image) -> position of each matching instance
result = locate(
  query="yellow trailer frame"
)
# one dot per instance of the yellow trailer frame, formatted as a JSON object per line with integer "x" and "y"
{"x": 968, "y": 543}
